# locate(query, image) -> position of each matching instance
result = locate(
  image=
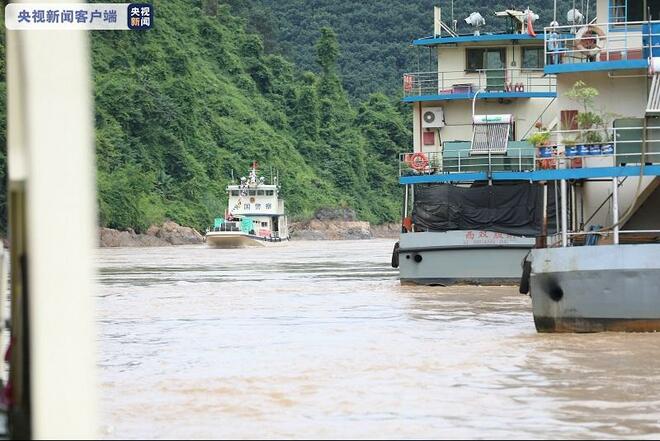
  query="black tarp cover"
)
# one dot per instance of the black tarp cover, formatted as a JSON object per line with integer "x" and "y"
{"x": 504, "y": 208}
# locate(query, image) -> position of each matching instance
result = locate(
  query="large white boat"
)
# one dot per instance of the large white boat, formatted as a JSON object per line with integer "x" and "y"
{"x": 255, "y": 215}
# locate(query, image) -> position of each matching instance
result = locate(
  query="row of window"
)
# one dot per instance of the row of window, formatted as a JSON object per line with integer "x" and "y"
{"x": 255, "y": 192}
{"x": 257, "y": 206}
{"x": 495, "y": 58}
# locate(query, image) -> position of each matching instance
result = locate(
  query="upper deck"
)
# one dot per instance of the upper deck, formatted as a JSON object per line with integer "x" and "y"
{"x": 507, "y": 65}
{"x": 601, "y": 47}
{"x": 505, "y": 83}
{"x": 482, "y": 38}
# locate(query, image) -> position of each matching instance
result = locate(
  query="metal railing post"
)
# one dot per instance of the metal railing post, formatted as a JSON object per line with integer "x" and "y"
{"x": 564, "y": 215}
{"x": 615, "y": 209}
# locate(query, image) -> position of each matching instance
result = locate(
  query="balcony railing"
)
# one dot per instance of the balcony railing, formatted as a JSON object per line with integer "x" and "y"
{"x": 622, "y": 146}
{"x": 465, "y": 83}
{"x": 603, "y": 42}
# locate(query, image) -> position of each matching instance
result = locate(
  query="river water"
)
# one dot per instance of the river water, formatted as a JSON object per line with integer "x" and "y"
{"x": 319, "y": 340}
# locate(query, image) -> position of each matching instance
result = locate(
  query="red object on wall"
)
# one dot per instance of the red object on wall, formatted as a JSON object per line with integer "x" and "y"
{"x": 569, "y": 119}
{"x": 428, "y": 138}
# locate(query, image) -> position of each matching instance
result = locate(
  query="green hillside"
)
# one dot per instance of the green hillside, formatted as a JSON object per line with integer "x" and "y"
{"x": 181, "y": 106}
{"x": 375, "y": 36}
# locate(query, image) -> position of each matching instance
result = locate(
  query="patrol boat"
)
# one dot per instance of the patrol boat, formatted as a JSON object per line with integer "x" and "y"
{"x": 255, "y": 215}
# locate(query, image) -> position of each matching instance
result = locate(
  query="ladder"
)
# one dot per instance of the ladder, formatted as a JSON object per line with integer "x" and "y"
{"x": 653, "y": 105}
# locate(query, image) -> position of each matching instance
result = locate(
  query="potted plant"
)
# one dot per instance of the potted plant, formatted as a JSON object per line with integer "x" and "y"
{"x": 541, "y": 140}
{"x": 587, "y": 119}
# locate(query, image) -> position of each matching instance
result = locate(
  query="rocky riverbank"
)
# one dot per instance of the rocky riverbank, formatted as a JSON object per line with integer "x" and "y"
{"x": 327, "y": 224}
{"x": 340, "y": 224}
{"x": 170, "y": 233}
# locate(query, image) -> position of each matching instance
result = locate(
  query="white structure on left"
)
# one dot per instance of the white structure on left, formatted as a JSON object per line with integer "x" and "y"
{"x": 52, "y": 217}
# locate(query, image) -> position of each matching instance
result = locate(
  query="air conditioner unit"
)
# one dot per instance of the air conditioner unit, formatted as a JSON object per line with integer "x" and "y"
{"x": 433, "y": 117}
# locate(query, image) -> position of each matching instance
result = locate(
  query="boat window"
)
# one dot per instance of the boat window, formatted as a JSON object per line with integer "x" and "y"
{"x": 532, "y": 58}
{"x": 264, "y": 224}
{"x": 234, "y": 192}
{"x": 482, "y": 58}
{"x": 252, "y": 192}
{"x": 622, "y": 11}
{"x": 246, "y": 206}
{"x": 257, "y": 206}
{"x": 260, "y": 192}
{"x": 269, "y": 192}
{"x": 269, "y": 206}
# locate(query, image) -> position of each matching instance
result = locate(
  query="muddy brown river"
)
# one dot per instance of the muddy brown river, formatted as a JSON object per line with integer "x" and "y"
{"x": 319, "y": 340}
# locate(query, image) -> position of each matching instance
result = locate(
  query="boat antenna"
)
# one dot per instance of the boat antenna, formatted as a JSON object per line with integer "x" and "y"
{"x": 232, "y": 175}
{"x": 554, "y": 18}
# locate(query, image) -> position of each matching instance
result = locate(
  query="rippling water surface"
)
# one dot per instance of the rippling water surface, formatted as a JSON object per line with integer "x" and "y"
{"x": 318, "y": 339}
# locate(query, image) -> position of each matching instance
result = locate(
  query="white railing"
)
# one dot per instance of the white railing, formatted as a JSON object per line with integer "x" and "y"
{"x": 468, "y": 82}
{"x": 567, "y": 149}
{"x": 601, "y": 42}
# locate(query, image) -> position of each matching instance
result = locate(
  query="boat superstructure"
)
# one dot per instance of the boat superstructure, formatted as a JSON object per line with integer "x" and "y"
{"x": 255, "y": 215}
{"x": 472, "y": 113}
{"x": 602, "y": 272}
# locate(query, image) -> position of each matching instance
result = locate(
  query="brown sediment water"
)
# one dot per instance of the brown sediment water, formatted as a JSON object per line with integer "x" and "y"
{"x": 319, "y": 340}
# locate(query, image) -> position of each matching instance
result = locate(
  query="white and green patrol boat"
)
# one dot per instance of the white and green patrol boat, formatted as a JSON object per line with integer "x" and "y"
{"x": 255, "y": 215}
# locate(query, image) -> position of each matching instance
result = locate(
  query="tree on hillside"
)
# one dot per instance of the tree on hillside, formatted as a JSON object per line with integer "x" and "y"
{"x": 327, "y": 50}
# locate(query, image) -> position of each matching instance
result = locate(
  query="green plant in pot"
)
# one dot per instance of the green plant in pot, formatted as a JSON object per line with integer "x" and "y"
{"x": 541, "y": 140}
{"x": 587, "y": 119}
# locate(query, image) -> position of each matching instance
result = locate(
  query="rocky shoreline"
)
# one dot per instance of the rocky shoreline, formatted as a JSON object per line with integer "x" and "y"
{"x": 168, "y": 234}
{"x": 327, "y": 227}
{"x": 341, "y": 230}
{"x": 339, "y": 224}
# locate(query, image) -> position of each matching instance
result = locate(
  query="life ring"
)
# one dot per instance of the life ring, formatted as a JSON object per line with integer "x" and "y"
{"x": 588, "y": 40}
{"x": 419, "y": 161}
{"x": 407, "y": 83}
{"x": 406, "y": 225}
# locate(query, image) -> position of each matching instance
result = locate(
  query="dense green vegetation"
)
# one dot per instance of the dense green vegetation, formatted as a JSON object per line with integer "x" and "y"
{"x": 218, "y": 84}
{"x": 375, "y": 36}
